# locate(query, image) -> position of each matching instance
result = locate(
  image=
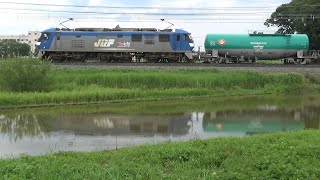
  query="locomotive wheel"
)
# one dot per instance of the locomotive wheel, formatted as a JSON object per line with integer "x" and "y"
{"x": 183, "y": 60}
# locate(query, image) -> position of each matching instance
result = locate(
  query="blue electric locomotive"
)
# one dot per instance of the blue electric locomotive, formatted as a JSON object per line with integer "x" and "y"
{"x": 116, "y": 44}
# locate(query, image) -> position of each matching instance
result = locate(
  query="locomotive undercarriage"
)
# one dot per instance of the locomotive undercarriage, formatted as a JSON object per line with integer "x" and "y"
{"x": 116, "y": 57}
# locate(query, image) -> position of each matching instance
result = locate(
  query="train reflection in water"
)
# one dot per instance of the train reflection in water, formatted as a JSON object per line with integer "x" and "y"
{"x": 38, "y": 133}
{"x": 122, "y": 125}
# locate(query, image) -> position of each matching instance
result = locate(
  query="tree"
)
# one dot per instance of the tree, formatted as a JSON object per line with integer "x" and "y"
{"x": 24, "y": 49}
{"x": 298, "y": 16}
{"x": 11, "y": 48}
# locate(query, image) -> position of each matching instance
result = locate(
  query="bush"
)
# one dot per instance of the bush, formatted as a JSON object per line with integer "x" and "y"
{"x": 25, "y": 75}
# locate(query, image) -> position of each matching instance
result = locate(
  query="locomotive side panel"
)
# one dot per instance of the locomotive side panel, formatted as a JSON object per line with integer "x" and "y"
{"x": 110, "y": 42}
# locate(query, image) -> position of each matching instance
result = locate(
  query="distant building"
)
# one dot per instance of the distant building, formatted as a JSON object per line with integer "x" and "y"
{"x": 31, "y": 38}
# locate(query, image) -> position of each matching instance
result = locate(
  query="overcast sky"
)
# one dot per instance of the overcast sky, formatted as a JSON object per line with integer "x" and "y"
{"x": 196, "y": 16}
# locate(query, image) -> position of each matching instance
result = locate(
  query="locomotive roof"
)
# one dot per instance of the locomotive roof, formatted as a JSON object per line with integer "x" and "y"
{"x": 115, "y": 30}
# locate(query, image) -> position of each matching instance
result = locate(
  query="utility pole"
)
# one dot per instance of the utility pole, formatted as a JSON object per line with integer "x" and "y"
{"x": 199, "y": 52}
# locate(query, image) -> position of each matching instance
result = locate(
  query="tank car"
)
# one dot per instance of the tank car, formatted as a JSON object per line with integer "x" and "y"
{"x": 116, "y": 44}
{"x": 257, "y": 46}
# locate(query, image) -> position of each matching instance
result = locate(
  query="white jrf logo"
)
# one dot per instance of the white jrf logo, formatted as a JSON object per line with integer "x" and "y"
{"x": 104, "y": 43}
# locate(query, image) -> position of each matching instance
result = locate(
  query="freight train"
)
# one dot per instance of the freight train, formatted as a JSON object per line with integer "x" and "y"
{"x": 153, "y": 45}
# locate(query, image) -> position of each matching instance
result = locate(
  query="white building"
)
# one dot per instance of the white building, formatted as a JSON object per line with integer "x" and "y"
{"x": 31, "y": 38}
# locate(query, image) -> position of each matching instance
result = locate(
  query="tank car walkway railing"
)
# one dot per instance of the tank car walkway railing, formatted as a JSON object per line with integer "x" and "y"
{"x": 266, "y": 33}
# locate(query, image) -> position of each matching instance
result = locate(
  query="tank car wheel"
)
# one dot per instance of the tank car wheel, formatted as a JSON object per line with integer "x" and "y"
{"x": 221, "y": 61}
{"x": 308, "y": 61}
{"x": 298, "y": 61}
{"x": 206, "y": 62}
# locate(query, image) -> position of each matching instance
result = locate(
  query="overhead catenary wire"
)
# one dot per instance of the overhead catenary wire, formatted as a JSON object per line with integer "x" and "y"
{"x": 132, "y": 7}
{"x": 196, "y": 15}
{"x": 134, "y": 13}
{"x": 155, "y": 7}
{"x": 86, "y": 13}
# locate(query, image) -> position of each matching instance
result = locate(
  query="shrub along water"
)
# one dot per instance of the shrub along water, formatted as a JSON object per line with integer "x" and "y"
{"x": 93, "y": 85}
{"x": 22, "y": 75}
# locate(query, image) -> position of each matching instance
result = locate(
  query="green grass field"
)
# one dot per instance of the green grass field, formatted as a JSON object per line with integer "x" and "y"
{"x": 96, "y": 85}
{"x": 270, "y": 156}
{"x": 90, "y": 85}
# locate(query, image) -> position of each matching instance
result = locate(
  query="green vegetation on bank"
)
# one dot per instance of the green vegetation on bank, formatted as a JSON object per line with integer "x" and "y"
{"x": 90, "y": 85}
{"x": 239, "y": 103}
{"x": 293, "y": 155}
{"x": 18, "y": 75}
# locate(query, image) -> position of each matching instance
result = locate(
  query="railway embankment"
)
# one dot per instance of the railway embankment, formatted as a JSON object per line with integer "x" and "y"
{"x": 28, "y": 83}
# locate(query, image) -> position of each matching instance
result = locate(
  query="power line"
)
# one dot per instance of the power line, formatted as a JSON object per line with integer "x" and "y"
{"x": 148, "y": 7}
{"x": 145, "y": 21}
{"x": 134, "y": 13}
{"x": 136, "y": 7}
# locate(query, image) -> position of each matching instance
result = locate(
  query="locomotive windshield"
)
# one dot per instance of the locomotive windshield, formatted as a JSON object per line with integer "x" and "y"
{"x": 44, "y": 36}
{"x": 188, "y": 38}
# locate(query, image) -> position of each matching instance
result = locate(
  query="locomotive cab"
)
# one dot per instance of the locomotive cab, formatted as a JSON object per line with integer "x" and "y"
{"x": 45, "y": 41}
{"x": 183, "y": 42}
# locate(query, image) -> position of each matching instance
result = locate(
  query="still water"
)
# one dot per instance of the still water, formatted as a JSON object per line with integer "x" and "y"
{"x": 115, "y": 125}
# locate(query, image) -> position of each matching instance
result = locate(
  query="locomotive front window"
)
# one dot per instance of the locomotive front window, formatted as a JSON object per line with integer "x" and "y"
{"x": 44, "y": 36}
{"x": 188, "y": 38}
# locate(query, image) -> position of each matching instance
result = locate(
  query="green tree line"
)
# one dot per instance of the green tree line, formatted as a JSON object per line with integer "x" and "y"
{"x": 11, "y": 48}
{"x": 298, "y": 16}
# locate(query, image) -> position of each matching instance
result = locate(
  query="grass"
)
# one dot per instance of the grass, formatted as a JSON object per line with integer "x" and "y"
{"x": 82, "y": 86}
{"x": 165, "y": 79}
{"x": 292, "y": 155}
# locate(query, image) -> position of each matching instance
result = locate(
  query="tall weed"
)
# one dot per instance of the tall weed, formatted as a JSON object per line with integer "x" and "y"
{"x": 25, "y": 75}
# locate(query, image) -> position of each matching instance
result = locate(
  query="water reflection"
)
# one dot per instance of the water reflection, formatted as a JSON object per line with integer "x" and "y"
{"x": 21, "y": 125}
{"x": 100, "y": 128}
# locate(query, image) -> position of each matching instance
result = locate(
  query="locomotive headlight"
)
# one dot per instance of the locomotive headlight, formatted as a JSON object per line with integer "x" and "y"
{"x": 38, "y": 43}
{"x": 191, "y": 45}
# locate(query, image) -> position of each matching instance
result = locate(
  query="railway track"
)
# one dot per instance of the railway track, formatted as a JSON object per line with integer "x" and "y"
{"x": 99, "y": 64}
{"x": 313, "y": 70}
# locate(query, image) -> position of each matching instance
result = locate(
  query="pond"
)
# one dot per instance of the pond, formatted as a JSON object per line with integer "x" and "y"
{"x": 115, "y": 125}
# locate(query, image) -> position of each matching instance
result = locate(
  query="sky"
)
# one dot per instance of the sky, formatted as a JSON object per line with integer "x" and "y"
{"x": 199, "y": 17}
